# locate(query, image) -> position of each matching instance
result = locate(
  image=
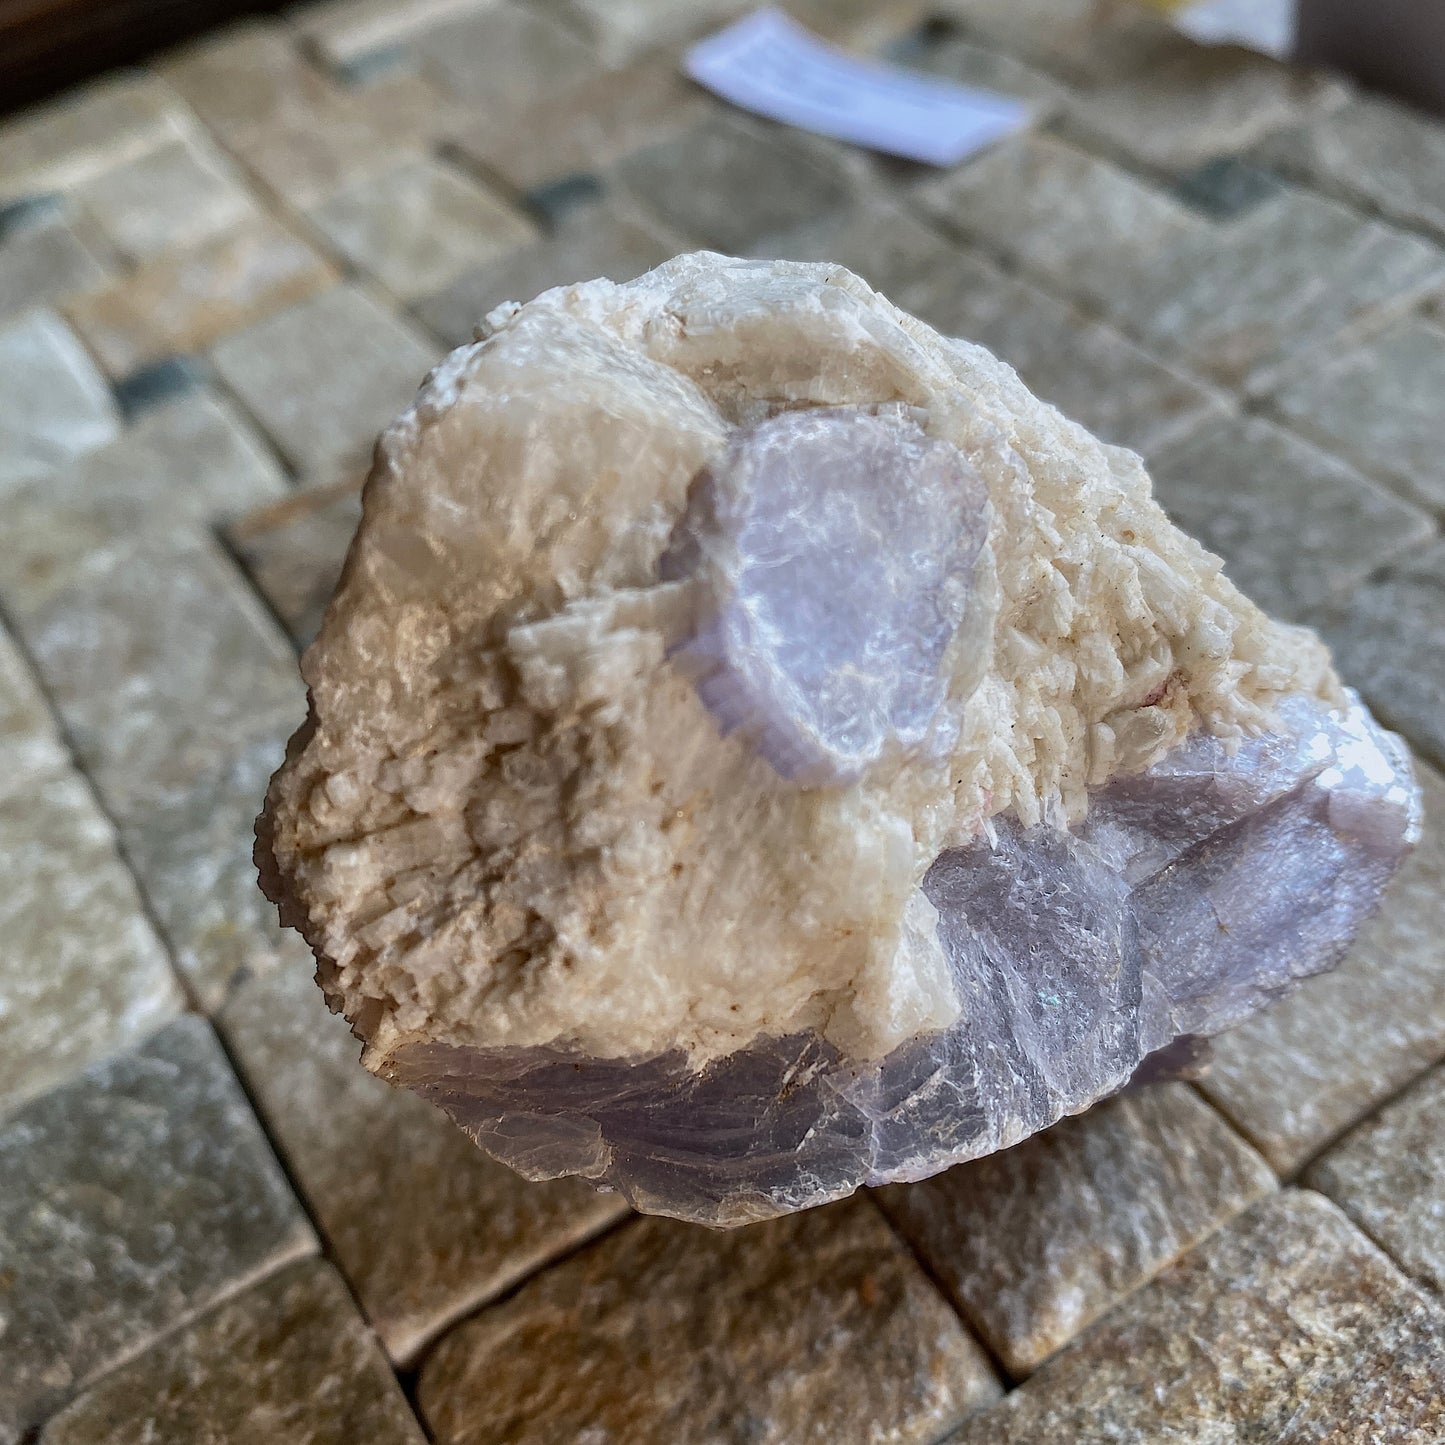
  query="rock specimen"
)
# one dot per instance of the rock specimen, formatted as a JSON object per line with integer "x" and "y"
{"x": 758, "y": 749}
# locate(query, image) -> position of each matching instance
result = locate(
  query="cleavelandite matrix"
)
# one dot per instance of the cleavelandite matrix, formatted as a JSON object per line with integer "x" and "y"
{"x": 758, "y": 749}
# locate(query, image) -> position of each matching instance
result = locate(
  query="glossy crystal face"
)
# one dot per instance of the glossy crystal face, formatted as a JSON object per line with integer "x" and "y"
{"x": 838, "y": 549}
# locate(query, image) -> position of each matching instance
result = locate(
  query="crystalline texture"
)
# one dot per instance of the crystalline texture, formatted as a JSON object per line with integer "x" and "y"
{"x": 758, "y": 750}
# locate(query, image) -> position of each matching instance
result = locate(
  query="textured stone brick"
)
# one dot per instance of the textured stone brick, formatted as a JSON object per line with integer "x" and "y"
{"x": 134, "y": 1197}
{"x": 1296, "y": 526}
{"x": 1389, "y": 1176}
{"x": 425, "y": 1226}
{"x": 1078, "y": 39}
{"x": 1390, "y": 643}
{"x": 1034, "y": 1244}
{"x": 500, "y": 58}
{"x": 170, "y": 198}
{"x": 1090, "y": 372}
{"x": 343, "y": 32}
{"x": 57, "y": 405}
{"x": 814, "y": 1327}
{"x": 623, "y": 29}
{"x": 1288, "y": 1326}
{"x": 293, "y": 551}
{"x": 86, "y": 132}
{"x": 82, "y": 973}
{"x": 587, "y": 127}
{"x": 325, "y": 376}
{"x": 1081, "y": 224}
{"x": 1378, "y": 405}
{"x": 290, "y": 1360}
{"x": 42, "y": 261}
{"x": 603, "y": 239}
{"x": 728, "y": 182}
{"x": 182, "y": 465}
{"x": 1295, "y": 1077}
{"x": 188, "y": 301}
{"x": 161, "y": 663}
{"x": 1210, "y": 101}
{"x": 955, "y": 57}
{"x": 1371, "y": 153}
{"x": 1293, "y": 278}
{"x": 420, "y": 225}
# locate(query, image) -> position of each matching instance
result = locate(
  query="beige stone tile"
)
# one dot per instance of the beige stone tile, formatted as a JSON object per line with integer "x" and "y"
{"x": 42, "y": 261}
{"x": 293, "y": 551}
{"x": 1288, "y": 1326}
{"x": 797, "y": 1329}
{"x": 1210, "y": 101}
{"x": 419, "y": 225}
{"x": 624, "y": 29}
{"x": 604, "y": 239}
{"x": 135, "y": 1196}
{"x": 1378, "y": 405}
{"x": 1295, "y": 275}
{"x": 1080, "y": 224}
{"x": 1389, "y": 1177}
{"x": 588, "y": 127}
{"x": 188, "y": 301}
{"x": 287, "y": 1360}
{"x": 341, "y": 32}
{"x": 87, "y": 131}
{"x": 501, "y": 57}
{"x": 1297, "y": 527}
{"x": 57, "y": 405}
{"x": 1296, "y": 1076}
{"x": 425, "y": 1226}
{"x": 172, "y": 197}
{"x": 1372, "y": 153}
{"x": 82, "y": 973}
{"x": 325, "y": 376}
{"x": 1389, "y": 641}
{"x": 1034, "y": 1244}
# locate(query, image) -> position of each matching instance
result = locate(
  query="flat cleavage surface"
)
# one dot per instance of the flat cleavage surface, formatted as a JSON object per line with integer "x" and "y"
{"x": 839, "y": 546}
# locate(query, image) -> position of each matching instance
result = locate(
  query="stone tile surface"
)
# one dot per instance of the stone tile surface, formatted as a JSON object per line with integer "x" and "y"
{"x": 293, "y": 550}
{"x": 603, "y": 239}
{"x": 188, "y": 301}
{"x": 1371, "y": 152}
{"x": 623, "y": 29}
{"x": 589, "y": 126}
{"x": 82, "y": 973}
{"x": 42, "y": 261}
{"x": 1295, "y": 275}
{"x": 325, "y": 376}
{"x": 170, "y": 198}
{"x": 1390, "y": 643}
{"x": 1288, "y": 1326}
{"x": 161, "y": 663}
{"x": 811, "y": 1328}
{"x": 1296, "y": 526}
{"x": 289, "y": 1360}
{"x": 1379, "y": 405}
{"x": 419, "y": 226}
{"x": 134, "y": 1197}
{"x": 1034, "y": 1244}
{"x": 343, "y": 32}
{"x": 726, "y": 182}
{"x": 1389, "y": 1176}
{"x": 1297, "y": 1076}
{"x": 424, "y": 1225}
{"x": 1210, "y": 101}
{"x": 57, "y": 404}
{"x": 80, "y": 135}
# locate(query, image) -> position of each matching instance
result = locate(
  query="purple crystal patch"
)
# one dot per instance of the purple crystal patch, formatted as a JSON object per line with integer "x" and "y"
{"x": 839, "y": 549}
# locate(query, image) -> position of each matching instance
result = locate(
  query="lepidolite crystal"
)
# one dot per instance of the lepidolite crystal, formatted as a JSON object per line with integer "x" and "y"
{"x": 758, "y": 749}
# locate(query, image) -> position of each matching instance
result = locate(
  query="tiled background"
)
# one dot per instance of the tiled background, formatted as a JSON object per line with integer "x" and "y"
{"x": 218, "y": 278}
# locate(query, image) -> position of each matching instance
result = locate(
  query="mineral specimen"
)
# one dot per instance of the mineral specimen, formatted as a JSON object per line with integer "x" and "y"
{"x": 758, "y": 749}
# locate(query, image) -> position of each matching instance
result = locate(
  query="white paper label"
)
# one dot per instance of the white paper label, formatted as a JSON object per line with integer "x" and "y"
{"x": 770, "y": 64}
